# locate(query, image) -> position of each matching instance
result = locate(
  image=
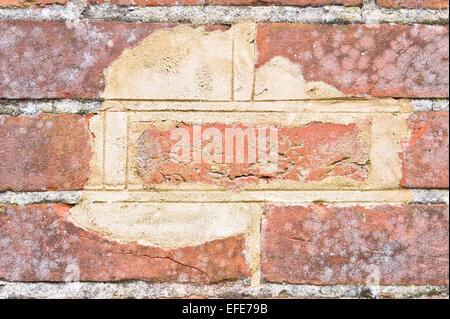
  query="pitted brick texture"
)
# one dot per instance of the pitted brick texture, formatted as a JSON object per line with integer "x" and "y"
{"x": 361, "y": 60}
{"x": 64, "y": 60}
{"x": 40, "y": 243}
{"x": 425, "y": 159}
{"x": 326, "y": 245}
{"x": 414, "y": 4}
{"x": 44, "y": 152}
{"x": 309, "y": 153}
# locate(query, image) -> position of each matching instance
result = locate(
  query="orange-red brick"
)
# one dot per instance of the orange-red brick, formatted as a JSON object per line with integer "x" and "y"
{"x": 55, "y": 60}
{"x": 39, "y": 243}
{"x": 362, "y": 60}
{"x": 309, "y": 153}
{"x": 414, "y": 4}
{"x": 425, "y": 158}
{"x": 44, "y": 152}
{"x": 326, "y": 245}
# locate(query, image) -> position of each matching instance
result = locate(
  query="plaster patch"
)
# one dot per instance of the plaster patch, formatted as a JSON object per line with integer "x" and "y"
{"x": 166, "y": 225}
{"x": 281, "y": 79}
{"x": 183, "y": 63}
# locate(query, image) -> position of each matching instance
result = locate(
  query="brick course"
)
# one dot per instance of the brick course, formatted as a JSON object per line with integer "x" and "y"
{"x": 55, "y": 248}
{"x": 325, "y": 245}
{"x": 44, "y": 152}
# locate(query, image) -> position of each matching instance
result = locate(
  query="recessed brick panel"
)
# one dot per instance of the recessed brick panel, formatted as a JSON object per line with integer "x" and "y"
{"x": 425, "y": 159}
{"x": 325, "y": 245}
{"x": 44, "y": 152}
{"x": 63, "y": 60}
{"x": 364, "y": 60}
{"x": 39, "y": 243}
{"x": 309, "y": 153}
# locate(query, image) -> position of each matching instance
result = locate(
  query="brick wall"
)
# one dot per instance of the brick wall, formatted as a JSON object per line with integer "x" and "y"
{"x": 294, "y": 148}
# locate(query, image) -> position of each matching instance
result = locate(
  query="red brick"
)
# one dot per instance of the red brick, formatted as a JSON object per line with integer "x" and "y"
{"x": 362, "y": 60}
{"x": 62, "y": 61}
{"x": 309, "y": 153}
{"x": 425, "y": 158}
{"x": 30, "y": 3}
{"x": 328, "y": 245}
{"x": 414, "y": 4}
{"x": 39, "y": 243}
{"x": 298, "y": 3}
{"x": 44, "y": 152}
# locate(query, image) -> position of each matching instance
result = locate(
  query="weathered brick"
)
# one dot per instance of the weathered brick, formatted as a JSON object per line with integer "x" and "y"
{"x": 44, "y": 152}
{"x": 317, "y": 244}
{"x": 425, "y": 161}
{"x": 308, "y": 153}
{"x": 30, "y": 3}
{"x": 381, "y": 60}
{"x": 63, "y": 60}
{"x": 40, "y": 243}
{"x": 414, "y": 4}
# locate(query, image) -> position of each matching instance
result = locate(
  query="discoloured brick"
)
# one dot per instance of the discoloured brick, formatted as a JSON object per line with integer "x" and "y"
{"x": 64, "y": 60}
{"x": 425, "y": 161}
{"x": 376, "y": 60}
{"x": 414, "y": 4}
{"x": 40, "y": 243}
{"x": 44, "y": 152}
{"x": 309, "y": 153}
{"x": 317, "y": 244}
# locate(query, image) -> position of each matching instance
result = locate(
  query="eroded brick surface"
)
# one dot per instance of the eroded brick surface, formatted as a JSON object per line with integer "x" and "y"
{"x": 425, "y": 159}
{"x": 309, "y": 153}
{"x": 44, "y": 152}
{"x": 317, "y": 244}
{"x": 39, "y": 243}
{"x": 414, "y": 4}
{"x": 376, "y": 60}
{"x": 64, "y": 60}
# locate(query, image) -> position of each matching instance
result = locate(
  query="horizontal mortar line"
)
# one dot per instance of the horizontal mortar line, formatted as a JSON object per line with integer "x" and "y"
{"x": 230, "y": 14}
{"x": 254, "y": 111}
{"x": 284, "y": 203}
{"x": 255, "y": 190}
{"x": 145, "y": 289}
{"x": 125, "y": 100}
